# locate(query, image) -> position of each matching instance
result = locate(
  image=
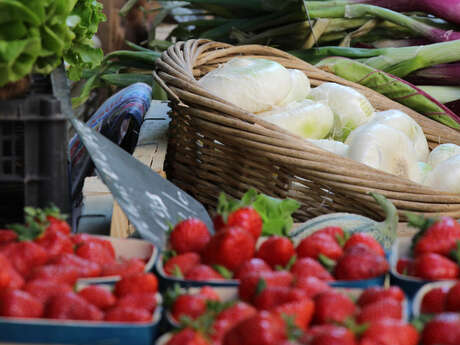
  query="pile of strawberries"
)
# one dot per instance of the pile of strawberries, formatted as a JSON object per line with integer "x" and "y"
{"x": 288, "y": 315}
{"x": 328, "y": 254}
{"x": 41, "y": 261}
{"x": 435, "y": 250}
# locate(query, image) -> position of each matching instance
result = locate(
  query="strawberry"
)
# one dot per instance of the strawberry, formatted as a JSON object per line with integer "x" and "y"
{"x": 190, "y": 305}
{"x": 390, "y": 332}
{"x": 70, "y": 306}
{"x": 300, "y": 310}
{"x": 58, "y": 224}
{"x": 328, "y": 335}
{"x": 264, "y": 328}
{"x": 99, "y": 296}
{"x": 123, "y": 268}
{"x": 85, "y": 268}
{"x": 229, "y": 317}
{"x": 60, "y": 273}
{"x": 383, "y": 308}
{"x": 209, "y": 293}
{"x": 276, "y": 251}
{"x": 333, "y": 306}
{"x": 189, "y": 235}
{"x": 442, "y": 329}
{"x": 142, "y": 300}
{"x": 308, "y": 267}
{"x": 81, "y": 239}
{"x": 439, "y": 238}
{"x": 95, "y": 251}
{"x": 434, "y": 301}
{"x": 8, "y": 275}
{"x": 360, "y": 262}
{"x": 230, "y": 248}
{"x": 24, "y": 256}
{"x": 434, "y": 266}
{"x": 335, "y": 231}
{"x": 203, "y": 272}
{"x": 55, "y": 242}
{"x": 405, "y": 266}
{"x": 248, "y": 219}
{"x": 187, "y": 336}
{"x": 141, "y": 282}
{"x": 366, "y": 239}
{"x": 319, "y": 243}
{"x": 252, "y": 265}
{"x": 311, "y": 285}
{"x": 453, "y": 298}
{"x": 17, "y": 303}
{"x": 128, "y": 314}
{"x": 180, "y": 265}
{"x": 7, "y": 236}
{"x": 44, "y": 289}
{"x": 218, "y": 222}
{"x": 250, "y": 283}
{"x": 374, "y": 294}
{"x": 272, "y": 296}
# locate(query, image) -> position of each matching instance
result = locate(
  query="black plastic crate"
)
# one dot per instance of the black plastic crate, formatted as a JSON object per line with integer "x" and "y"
{"x": 33, "y": 156}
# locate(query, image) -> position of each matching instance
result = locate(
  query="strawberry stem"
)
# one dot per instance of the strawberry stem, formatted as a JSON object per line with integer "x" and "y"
{"x": 328, "y": 263}
{"x": 223, "y": 271}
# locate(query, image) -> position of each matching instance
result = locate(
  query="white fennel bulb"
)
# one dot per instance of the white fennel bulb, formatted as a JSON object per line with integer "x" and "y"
{"x": 385, "y": 148}
{"x": 423, "y": 171}
{"x": 308, "y": 119}
{"x": 300, "y": 87}
{"x": 333, "y": 146}
{"x": 441, "y": 153}
{"x": 252, "y": 84}
{"x": 406, "y": 124}
{"x": 446, "y": 175}
{"x": 351, "y": 109}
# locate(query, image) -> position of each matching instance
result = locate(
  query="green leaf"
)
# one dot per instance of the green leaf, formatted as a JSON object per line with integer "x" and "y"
{"x": 171, "y": 295}
{"x": 328, "y": 263}
{"x": 261, "y": 285}
{"x": 224, "y": 272}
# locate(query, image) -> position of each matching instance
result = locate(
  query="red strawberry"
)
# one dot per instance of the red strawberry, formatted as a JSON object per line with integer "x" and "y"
{"x": 252, "y": 265}
{"x": 434, "y": 301}
{"x": 58, "y": 224}
{"x": 55, "y": 242}
{"x": 272, "y": 296}
{"x": 308, "y": 267}
{"x": 312, "y": 286}
{"x": 434, "y": 266}
{"x": 70, "y": 306}
{"x": 142, "y": 282}
{"x": 440, "y": 238}
{"x": 390, "y": 332}
{"x": 218, "y": 222}
{"x": 319, "y": 243}
{"x": 181, "y": 263}
{"x": 248, "y": 219}
{"x": 85, "y": 268}
{"x": 276, "y": 251}
{"x": 229, "y": 317}
{"x": 453, "y": 298}
{"x": 335, "y": 231}
{"x": 203, "y": 272}
{"x": 383, "y": 308}
{"x": 374, "y": 294}
{"x": 128, "y": 314}
{"x": 301, "y": 311}
{"x": 209, "y": 293}
{"x": 333, "y": 306}
{"x": 230, "y": 248}
{"x": 44, "y": 289}
{"x": 24, "y": 256}
{"x": 187, "y": 337}
{"x": 328, "y": 335}
{"x": 191, "y": 305}
{"x": 80, "y": 239}
{"x": 143, "y": 300}
{"x": 8, "y": 275}
{"x": 98, "y": 296}
{"x": 124, "y": 268}
{"x": 366, "y": 239}
{"x": 251, "y": 282}
{"x": 189, "y": 235}
{"x": 263, "y": 328}
{"x": 443, "y": 329}
{"x": 60, "y": 273}
{"x": 405, "y": 266}
{"x": 360, "y": 262}
{"x": 17, "y": 303}
{"x": 96, "y": 252}
{"x": 7, "y": 236}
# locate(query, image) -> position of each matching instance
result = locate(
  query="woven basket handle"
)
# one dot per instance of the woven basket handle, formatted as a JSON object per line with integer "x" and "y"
{"x": 165, "y": 87}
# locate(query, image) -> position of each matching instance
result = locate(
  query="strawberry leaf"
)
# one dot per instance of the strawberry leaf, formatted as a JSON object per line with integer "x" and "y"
{"x": 355, "y": 328}
{"x": 293, "y": 332}
{"x": 171, "y": 295}
{"x": 168, "y": 254}
{"x": 420, "y": 222}
{"x": 224, "y": 272}
{"x": 55, "y": 212}
{"x": 328, "y": 263}
{"x": 288, "y": 266}
{"x": 177, "y": 272}
{"x": 420, "y": 321}
{"x": 341, "y": 240}
{"x": 261, "y": 285}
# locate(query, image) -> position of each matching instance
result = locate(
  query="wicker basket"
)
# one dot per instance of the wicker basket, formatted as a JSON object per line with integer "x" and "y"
{"x": 216, "y": 146}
